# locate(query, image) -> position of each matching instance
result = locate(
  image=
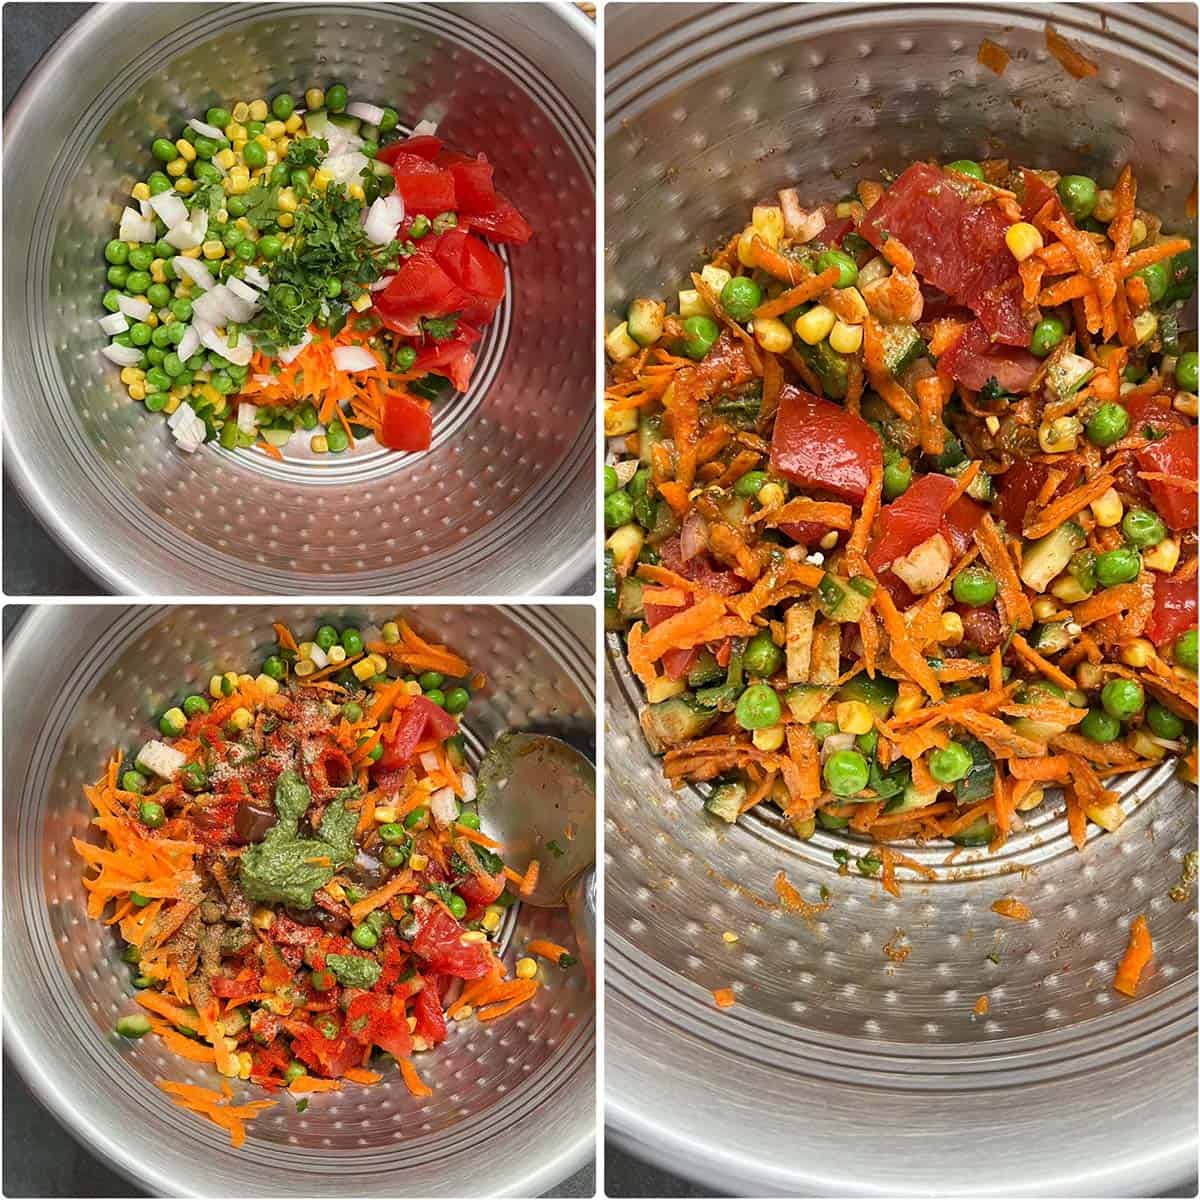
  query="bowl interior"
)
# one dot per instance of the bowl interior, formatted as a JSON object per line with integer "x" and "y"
{"x": 511, "y": 457}
{"x": 512, "y": 1106}
{"x": 862, "y": 1017}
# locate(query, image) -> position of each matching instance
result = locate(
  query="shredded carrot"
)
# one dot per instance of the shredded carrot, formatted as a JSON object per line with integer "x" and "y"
{"x": 551, "y": 951}
{"x": 530, "y": 878}
{"x": 362, "y": 1076}
{"x": 308, "y": 1083}
{"x": 724, "y": 997}
{"x": 1135, "y": 959}
{"x": 1011, "y": 908}
{"x": 412, "y": 1080}
{"x": 1074, "y": 63}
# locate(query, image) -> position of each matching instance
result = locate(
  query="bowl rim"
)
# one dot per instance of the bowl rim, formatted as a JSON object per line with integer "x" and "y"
{"x": 557, "y": 1163}
{"x": 553, "y": 579}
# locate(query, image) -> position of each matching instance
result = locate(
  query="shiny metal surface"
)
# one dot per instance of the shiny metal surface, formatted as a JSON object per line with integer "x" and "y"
{"x": 503, "y": 503}
{"x": 513, "y": 1106}
{"x": 848, "y": 1065}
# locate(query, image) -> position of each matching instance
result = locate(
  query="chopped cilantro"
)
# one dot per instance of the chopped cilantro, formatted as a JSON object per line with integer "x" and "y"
{"x": 431, "y": 387}
{"x": 441, "y": 329}
{"x": 307, "y": 152}
{"x": 555, "y": 849}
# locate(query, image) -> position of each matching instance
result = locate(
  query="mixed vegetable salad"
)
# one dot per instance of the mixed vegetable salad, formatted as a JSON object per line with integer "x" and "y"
{"x": 297, "y": 869}
{"x": 302, "y": 265}
{"x": 902, "y": 506}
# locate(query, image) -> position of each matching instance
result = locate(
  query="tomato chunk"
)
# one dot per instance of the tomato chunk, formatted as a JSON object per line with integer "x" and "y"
{"x": 1175, "y": 609}
{"x": 453, "y": 359}
{"x": 1175, "y": 455}
{"x": 439, "y": 943}
{"x": 425, "y": 147}
{"x": 820, "y": 445}
{"x": 420, "y": 288}
{"x": 503, "y": 224}
{"x": 420, "y": 719}
{"x": 975, "y": 358}
{"x": 424, "y": 186}
{"x": 920, "y": 513}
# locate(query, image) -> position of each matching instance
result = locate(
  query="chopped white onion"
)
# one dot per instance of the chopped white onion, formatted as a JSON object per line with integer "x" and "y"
{"x": 247, "y": 417}
{"x": 194, "y": 270}
{"x": 443, "y": 806}
{"x": 189, "y": 234}
{"x": 371, "y": 113}
{"x": 209, "y": 131}
{"x": 135, "y": 227}
{"x": 424, "y": 129}
{"x": 113, "y": 323}
{"x": 145, "y": 209}
{"x": 135, "y": 307}
{"x": 468, "y": 787}
{"x": 243, "y": 291}
{"x": 383, "y": 219}
{"x": 346, "y": 167}
{"x": 240, "y": 355}
{"x": 183, "y": 413}
{"x": 429, "y": 761}
{"x": 319, "y": 658}
{"x": 221, "y": 304}
{"x": 255, "y": 276}
{"x": 354, "y": 358}
{"x": 289, "y": 354}
{"x": 170, "y": 207}
{"x": 186, "y": 428}
{"x": 188, "y": 344}
{"x": 381, "y": 283}
{"x": 123, "y": 356}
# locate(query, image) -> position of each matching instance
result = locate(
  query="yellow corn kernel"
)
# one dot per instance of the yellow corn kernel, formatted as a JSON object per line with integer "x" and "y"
{"x": 491, "y": 920}
{"x": 293, "y": 123}
{"x": 1164, "y": 557}
{"x": 465, "y": 1013}
{"x": 263, "y": 917}
{"x": 391, "y": 633}
{"x": 1108, "y": 509}
{"x": 1185, "y": 402}
{"x": 772, "y": 335}
{"x": 239, "y": 144}
{"x": 355, "y": 192}
{"x": 305, "y": 649}
{"x": 845, "y": 339}
{"x": 314, "y": 98}
{"x": 1059, "y": 436}
{"x": 853, "y": 716}
{"x": 626, "y": 542}
{"x": 378, "y": 662}
{"x": 771, "y": 495}
{"x": 213, "y": 249}
{"x": 285, "y": 220}
{"x": 266, "y": 685}
{"x": 158, "y": 270}
{"x": 952, "y": 629}
{"x": 336, "y": 654}
{"x": 1137, "y": 232}
{"x": 274, "y": 129}
{"x": 242, "y": 719}
{"x": 664, "y": 689}
{"x": 240, "y": 112}
{"x": 418, "y": 862}
{"x": 229, "y": 1067}
{"x": 191, "y": 252}
{"x": 175, "y": 397}
{"x": 745, "y": 247}
{"x": 214, "y": 687}
{"x": 909, "y": 698}
{"x": 767, "y": 220}
{"x": 304, "y": 668}
{"x": 361, "y": 302}
{"x": 225, "y": 158}
{"x": 176, "y": 167}
{"x": 186, "y": 149}
{"x": 1031, "y": 799}
{"x": 258, "y": 110}
{"x": 412, "y": 687}
{"x": 1137, "y": 652}
{"x": 244, "y": 225}
{"x": 829, "y": 540}
{"x": 385, "y": 814}
{"x": 141, "y": 191}
{"x": 1044, "y": 608}
{"x": 321, "y": 180}
{"x": 1106, "y": 206}
{"x": 472, "y": 937}
{"x": 363, "y": 670}
{"x": 770, "y": 739}
{"x": 336, "y": 890}
{"x": 319, "y": 444}
{"x": 1145, "y": 326}
{"x": 264, "y": 141}
{"x": 287, "y": 200}
{"x": 1023, "y": 240}
{"x": 131, "y": 375}
{"x": 815, "y": 325}
{"x": 527, "y": 968}
{"x": 137, "y": 391}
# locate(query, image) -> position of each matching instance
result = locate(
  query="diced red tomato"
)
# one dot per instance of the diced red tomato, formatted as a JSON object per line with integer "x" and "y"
{"x": 676, "y": 663}
{"x": 821, "y": 445}
{"x": 453, "y": 359}
{"x": 330, "y": 1057}
{"x": 1154, "y": 412}
{"x": 920, "y": 513}
{"x": 419, "y": 719}
{"x": 477, "y": 271}
{"x": 1176, "y": 454}
{"x": 431, "y": 1020}
{"x": 1035, "y": 193}
{"x": 804, "y": 532}
{"x": 329, "y": 772}
{"x": 958, "y": 247}
{"x": 424, "y": 186}
{"x": 701, "y": 569}
{"x": 1016, "y": 490}
{"x": 407, "y": 423}
{"x": 439, "y": 943}
{"x": 479, "y": 892}
{"x": 975, "y": 358}
{"x": 503, "y": 224}
{"x": 472, "y": 181}
{"x": 425, "y": 147}
{"x": 1175, "y": 609}
{"x": 421, "y": 288}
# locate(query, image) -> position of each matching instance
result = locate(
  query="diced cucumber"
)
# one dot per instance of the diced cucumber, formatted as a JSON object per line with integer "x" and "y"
{"x": 1067, "y": 373}
{"x": 902, "y": 346}
{"x": 380, "y": 168}
{"x": 277, "y": 437}
{"x": 317, "y": 121}
{"x": 1051, "y": 638}
{"x": 911, "y": 800}
{"x": 673, "y": 722}
{"x": 705, "y": 671}
{"x": 977, "y": 782}
{"x": 1039, "y": 731}
{"x": 650, "y": 433}
{"x": 645, "y": 321}
{"x": 878, "y": 694}
{"x": 1045, "y": 558}
{"x": 829, "y": 821}
{"x": 805, "y": 700}
{"x": 844, "y": 599}
{"x": 980, "y": 833}
{"x": 346, "y": 123}
{"x": 830, "y": 367}
{"x": 981, "y": 487}
{"x": 726, "y": 801}
{"x": 629, "y": 598}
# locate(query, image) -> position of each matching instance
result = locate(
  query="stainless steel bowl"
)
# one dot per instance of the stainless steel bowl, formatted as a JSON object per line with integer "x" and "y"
{"x": 503, "y": 503}
{"x": 842, "y": 1070}
{"x": 513, "y": 1108}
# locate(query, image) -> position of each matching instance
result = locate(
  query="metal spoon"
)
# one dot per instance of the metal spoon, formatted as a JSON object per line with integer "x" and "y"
{"x": 538, "y": 796}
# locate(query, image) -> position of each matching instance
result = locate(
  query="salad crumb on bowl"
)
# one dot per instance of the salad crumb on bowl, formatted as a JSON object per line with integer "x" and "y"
{"x": 901, "y": 507}
{"x": 302, "y": 268}
{"x": 296, "y": 866}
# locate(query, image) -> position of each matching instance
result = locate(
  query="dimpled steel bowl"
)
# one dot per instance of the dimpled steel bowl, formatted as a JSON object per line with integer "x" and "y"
{"x": 503, "y": 502}
{"x": 847, "y": 1066}
{"x": 513, "y": 1108}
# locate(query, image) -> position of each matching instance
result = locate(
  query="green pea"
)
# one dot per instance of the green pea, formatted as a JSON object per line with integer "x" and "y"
{"x": 967, "y": 166}
{"x": 117, "y": 275}
{"x": 352, "y": 641}
{"x": 469, "y": 819}
{"x": 134, "y": 781}
{"x": 1047, "y": 333}
{"x": 246, "y": 251}
{"x": 254, "y": 128}
{"x": 457, "y": 699}
{"x": 158, "y": 183}
{"x": 436, "y": 696}
{"x": 151, "y": 814}
{"x": 418, "y": 816}
{"x": 393, "y": 857}
{"x": 611, "y": 482}
{"x": 138, "y": 283}
{"x": 1078, "y": 194}
{"x": 281, "y": 173}
{"x": 389, "y": 120}
{"x": 206, "y": 147}
{"x": 702, "y": 333}
{"x": 155, "y": 356}
{"x": 193, "y": 706}
{"x": 897, "y": 478}
{"x": 337, "y": 438}
{"x": 1122, "y": 565}
{"x": 270, "y": 247}
{"x": 140, "y": 258}
{"x": 159, "y": 296}
{"x": 220, "y": 117}
{"x": 369, "y": 149}
{"x": 236, "y": 206}
{"x": 1157, "y": 277}
{"x": 1122, "y": 698}
{"x": 1108, "y": 424}
{"x": 182, "y": 309}
{"x": 974, "y": 586}
{"x": 194, "y": 777}
{"x": 158, "y": 378}
{"x": 336, "y": 97}
{"x": 117, "y": 252}
{"x": 326, "y": 637}
{"x": 1143, "y": 528}
{"x": 156, "y": 401}
{"x": 164, "y": 150}
{"x": 254, "y": 154}
{"x": 457, "y": 906}
{"x": 430, "y": 679}
{"x": 376, "y": 752}
{"x": 352, "y": 711}
{"x": 846, "y": 266}
{"x": 364, "y": 937}
{"x": 750, "y": 484}
{"x": 112, "y": 300}
{"x": 294, "y": 1071}
{"x": 282, "y": 106}
{"x": 1186, "y": 648}
{"x": 1187, "y": 371}
{"x": 1100, "y": 726}
{"x": 135, "y": 1026}
{"x": 740, "y": 297}
{"x": 1163, "y": 722}
{"x": 758, "y": 707}
{"x": 173, "y": 365}
{"x": 618, "y": 509}
{"x": 322, "y": 981}
{"x": 950, "y": 762}
{"x": 846, "y": 773}
{"x": 762, "y": 657}
{"x": 140, "y": 334}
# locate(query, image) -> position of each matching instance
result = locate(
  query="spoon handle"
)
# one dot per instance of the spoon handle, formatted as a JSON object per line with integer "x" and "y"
{"x": 580, "y": 899}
